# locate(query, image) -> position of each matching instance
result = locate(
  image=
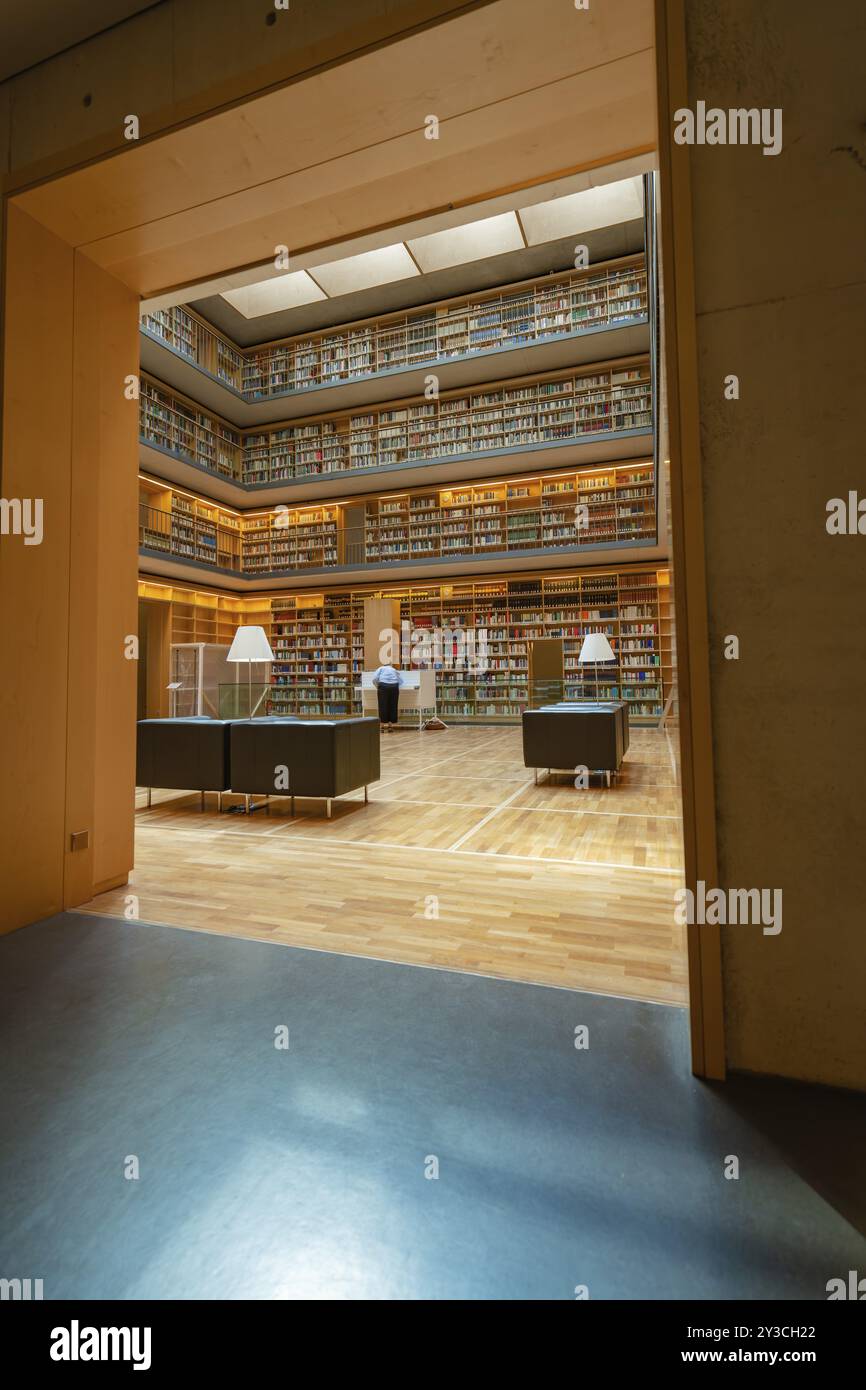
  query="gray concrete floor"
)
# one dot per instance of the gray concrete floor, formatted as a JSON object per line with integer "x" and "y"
{"x": 269, "y": 1173}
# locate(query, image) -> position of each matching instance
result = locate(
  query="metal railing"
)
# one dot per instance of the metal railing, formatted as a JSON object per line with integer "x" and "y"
{"x": 422, "y": 434}
{"x": 568, "y": 305}
{"x": 188, "y": 537}
{"x": 323, "y": 545}
{"x": 548, "y": 309}
{"x": 199, "y": 439}
{"x": 192, "y": 339}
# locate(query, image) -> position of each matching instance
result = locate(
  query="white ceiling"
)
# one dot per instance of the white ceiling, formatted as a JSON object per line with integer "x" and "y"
{"x": 474, "y": 238}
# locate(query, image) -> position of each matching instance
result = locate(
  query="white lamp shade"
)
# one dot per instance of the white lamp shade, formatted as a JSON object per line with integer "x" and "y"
{"x": 250, "y": 644}
{"x": 596, "y": 648}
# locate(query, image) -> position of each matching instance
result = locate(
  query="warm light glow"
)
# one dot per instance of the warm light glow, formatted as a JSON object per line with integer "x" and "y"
{"x": 250, "y": 644}
{"x": 596, "y": 648}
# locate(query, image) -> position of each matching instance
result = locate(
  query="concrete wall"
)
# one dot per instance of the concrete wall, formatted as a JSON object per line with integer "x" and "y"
{"x": 178, "y": 61}
{"x": 781, "y": 302}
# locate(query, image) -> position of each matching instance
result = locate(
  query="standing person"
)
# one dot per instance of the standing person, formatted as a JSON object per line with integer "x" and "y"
{"x": 387, "y": 682}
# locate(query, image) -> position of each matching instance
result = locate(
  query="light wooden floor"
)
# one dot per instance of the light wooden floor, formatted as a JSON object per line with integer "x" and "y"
{"x": 542, "y": 883}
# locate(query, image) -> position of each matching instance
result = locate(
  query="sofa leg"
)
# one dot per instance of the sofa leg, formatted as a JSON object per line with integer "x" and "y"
{"x": 149, "y": 792}
{"x": 219, "y": 803}
{"x": 202, "y": 801}
{"x": 607, "y": 775}
{"x": 328, "y": 807}
{"x": 366, "y": 797}
{"x": 535, "y": 771}
{"x": 247, "y": 803}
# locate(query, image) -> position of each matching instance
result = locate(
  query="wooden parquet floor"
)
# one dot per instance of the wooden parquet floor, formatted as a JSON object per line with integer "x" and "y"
{"x": 458, "y": 861}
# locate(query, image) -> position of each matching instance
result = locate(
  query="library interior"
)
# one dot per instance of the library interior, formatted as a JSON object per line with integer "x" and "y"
{"x": 440, "y": 454}
{"x": 367, "y": 677}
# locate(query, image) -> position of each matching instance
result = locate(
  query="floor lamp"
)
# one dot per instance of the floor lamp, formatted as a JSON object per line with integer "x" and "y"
{"x": 596, "y": 648}
{"x": 250, "y": 644}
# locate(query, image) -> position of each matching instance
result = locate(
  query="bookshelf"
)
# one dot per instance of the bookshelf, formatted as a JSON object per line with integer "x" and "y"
{"x": 318, "y": 638}
{"x": 179, "y": 329}
{"x": 558, "y": 408}
{"x": 178, "y": 427}
{"x": 611, "y": 504}
{"x": 318, "y": 645}
{"x": 177, "y": 523}
{"x": 529, "y": 312}
{"x": 567, "y": 304}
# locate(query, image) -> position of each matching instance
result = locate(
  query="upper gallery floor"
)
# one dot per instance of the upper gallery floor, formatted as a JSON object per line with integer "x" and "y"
{"x": 535, "y": 325}
{"x": 530, "y": 282}
{"x": 600, "y": 412}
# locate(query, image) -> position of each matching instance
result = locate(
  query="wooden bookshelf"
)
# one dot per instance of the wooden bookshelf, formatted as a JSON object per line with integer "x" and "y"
{"x": 557, "y": 408}
{"x": 609, "y": 504}
{"x": 177, "y": 426}
{"x": 528, "y": 312}
{"x": 318, "y": 639}
{"x": 568, "y": 304}
{"x": 176, "y": 522}
{"x": 181, "y": 330}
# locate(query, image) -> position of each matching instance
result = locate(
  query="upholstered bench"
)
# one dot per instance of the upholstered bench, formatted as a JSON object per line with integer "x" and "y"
{"x": 189, "y": 754}
{"x": 316, "y": 758}
{"x": 565, "y": 737}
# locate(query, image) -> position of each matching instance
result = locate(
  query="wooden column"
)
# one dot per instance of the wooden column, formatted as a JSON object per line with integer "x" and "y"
{"x": 67, "y": 698}
{"x": 380, "y": 615}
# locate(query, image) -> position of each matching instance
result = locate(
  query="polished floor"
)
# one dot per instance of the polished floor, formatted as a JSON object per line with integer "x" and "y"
{"x": 301, "y": 1172}
{"x": 459, "y": 861}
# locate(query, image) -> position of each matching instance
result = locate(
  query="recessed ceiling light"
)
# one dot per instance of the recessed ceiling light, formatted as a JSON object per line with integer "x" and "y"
{"x": 365, "y": 271}
{"x": 583, "y": 212}
{"x": 492, "y": 236}
{"x": 280, "y": 292}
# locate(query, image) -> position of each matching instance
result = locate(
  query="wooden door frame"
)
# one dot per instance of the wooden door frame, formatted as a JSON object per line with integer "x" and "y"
{"x": 699, "y": 816}
{"x": 706, "y": 1002}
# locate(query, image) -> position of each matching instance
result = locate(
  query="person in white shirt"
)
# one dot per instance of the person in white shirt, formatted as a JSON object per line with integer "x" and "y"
{"x": 387, "y": 682}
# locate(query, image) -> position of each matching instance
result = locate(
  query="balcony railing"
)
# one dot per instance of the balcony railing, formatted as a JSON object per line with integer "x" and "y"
{"x": 571, "y": 305}
{"x": 188, "y": 537}
{"x": 565, "y": 305}
{"x": 546, "y": 413}
{"x": 614, "y": 508}
{"x": 192, "y": 339}
{"x": 168, "y": 423}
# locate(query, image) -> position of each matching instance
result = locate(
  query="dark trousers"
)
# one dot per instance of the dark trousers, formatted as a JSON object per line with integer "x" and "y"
{"x": 389, "y": 696}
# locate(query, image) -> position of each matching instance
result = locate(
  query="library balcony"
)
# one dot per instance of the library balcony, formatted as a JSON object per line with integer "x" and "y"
{"x": 592, "y": 416}
{"x": 536, "y": 325}
{"x": 523, "y": 517}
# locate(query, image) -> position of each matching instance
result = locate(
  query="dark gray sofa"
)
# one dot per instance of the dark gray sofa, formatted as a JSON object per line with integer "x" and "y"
{"x": 566, "y": 736}
{"x": 183, "y": 754}
{"x": 323, "y": 758}
{"x": 619, "y": 706}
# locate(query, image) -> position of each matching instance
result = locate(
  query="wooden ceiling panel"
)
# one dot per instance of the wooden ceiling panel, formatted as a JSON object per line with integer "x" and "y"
{"x": 520, "y": 91}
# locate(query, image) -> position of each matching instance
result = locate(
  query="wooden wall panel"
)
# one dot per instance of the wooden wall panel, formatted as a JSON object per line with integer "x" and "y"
{"x": 34, "y": 579}
{"x": 67, "y": 699}
{"x": 103, "y": 580}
